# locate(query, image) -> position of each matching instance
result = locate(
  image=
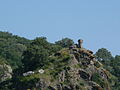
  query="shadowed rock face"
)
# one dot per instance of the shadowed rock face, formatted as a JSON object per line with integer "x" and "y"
{"x": 84, "y": 75}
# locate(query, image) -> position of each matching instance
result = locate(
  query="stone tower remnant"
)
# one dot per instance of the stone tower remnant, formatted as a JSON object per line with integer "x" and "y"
{"x": 80, "y": 41}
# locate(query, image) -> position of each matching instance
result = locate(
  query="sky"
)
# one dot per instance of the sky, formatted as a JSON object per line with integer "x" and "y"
{"x": 97, "y": 22}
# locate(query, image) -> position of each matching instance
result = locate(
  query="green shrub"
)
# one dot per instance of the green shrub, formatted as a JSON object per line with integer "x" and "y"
{"x": 97, "y": 78}
{"x": 82, "y": 84}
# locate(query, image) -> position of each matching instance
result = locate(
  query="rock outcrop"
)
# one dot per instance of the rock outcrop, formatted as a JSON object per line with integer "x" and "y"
{"x": 74, "y": 68}
{"x": 5, "y": 72}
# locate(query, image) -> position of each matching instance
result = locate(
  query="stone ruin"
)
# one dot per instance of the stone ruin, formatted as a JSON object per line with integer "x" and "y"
{"x": 79, "y": 48}
{"x": 80, "y": 41}
{"x": 79, "y": 45}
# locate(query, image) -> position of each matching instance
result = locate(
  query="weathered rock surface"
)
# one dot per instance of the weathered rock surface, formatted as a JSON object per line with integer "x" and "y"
{"x": 5, "y": 72}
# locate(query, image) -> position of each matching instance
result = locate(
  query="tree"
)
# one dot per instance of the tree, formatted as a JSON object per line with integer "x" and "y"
{"x": 41, "y": 41}
{"x": 12, "y": 47}
{"x": 65, "y": 42}
{"x": 115, "y": 63}
{"x": 36, "y": 55}
{"x": 104, "y": 56}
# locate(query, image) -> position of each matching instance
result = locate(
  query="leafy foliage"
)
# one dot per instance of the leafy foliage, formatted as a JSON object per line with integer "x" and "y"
{"x": 112, "y": 64}
{"x": 65, "y": 42}
{"x": 12, "y": 47}
{"x": 103, "y": 54}
{"x": 35, "y": 56}
{"x": 37, "y": 53}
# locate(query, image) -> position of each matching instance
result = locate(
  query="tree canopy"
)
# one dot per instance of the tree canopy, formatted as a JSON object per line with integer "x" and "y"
{"x": 65, "y": 42}
{"x": 12, "y": 47}
{"x": 103, "y": 54}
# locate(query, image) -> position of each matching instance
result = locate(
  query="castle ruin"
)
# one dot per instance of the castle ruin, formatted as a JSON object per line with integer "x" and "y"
{"x": 80, "y": 41}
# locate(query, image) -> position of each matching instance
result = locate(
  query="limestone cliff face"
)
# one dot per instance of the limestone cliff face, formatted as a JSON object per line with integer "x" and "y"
{"x": 5, "y": 72}
{"x": 74, "y": 69}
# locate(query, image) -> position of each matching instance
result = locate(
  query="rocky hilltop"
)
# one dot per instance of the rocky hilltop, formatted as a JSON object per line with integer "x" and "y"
{"x": 73, "y": 68}
{"x": 40, "y": 65}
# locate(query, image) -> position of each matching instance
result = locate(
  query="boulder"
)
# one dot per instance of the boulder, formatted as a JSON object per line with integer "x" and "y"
{"x": 5, "y": 72}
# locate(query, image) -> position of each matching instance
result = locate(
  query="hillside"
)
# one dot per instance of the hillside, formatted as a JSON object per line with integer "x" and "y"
{"x": 70, "y": 69}
{"x": 40, "y": 65}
